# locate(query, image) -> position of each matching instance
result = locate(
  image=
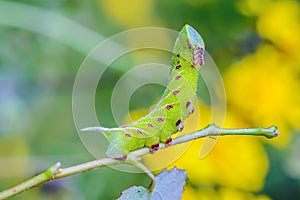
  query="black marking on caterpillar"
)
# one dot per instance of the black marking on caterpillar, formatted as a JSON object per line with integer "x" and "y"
{"x": 178, "y": 66}
{"x": 178, "y": 122}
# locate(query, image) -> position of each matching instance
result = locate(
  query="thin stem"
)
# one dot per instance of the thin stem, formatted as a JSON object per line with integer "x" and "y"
{"x": 214, "y": 130}
{"x": 69, "y": 171}
{"x": 56, "y": 172}
{"x": 37, "y": 180}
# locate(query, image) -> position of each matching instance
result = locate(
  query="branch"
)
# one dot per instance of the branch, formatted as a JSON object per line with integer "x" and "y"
{"x": 56, "y": 172}
{"x": 37, "y": 180}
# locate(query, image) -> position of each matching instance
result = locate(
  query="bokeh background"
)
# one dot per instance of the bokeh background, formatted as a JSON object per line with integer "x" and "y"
{"x": 255, "y": 44}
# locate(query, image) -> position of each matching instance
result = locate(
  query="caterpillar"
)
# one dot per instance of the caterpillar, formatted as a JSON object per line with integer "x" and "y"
{"x": 176, "y": 104}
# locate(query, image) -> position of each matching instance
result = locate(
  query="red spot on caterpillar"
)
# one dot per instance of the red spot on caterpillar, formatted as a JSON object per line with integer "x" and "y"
{"x": 168, "y": 141}
{"x": 190, "y": 107}
{"x": 175, "y": 92}
{"x": 177, "y": 77}
{"x": 178, "y": 122}
{"x": 124, "y": 126}
{"x": 160, "y": 119}
{"x": 155, "y": 147}
{"x": 188, "y": 104}
{"x": 127, "y": 135}
{"x": 150, "y": 125}
{"x": 178, "y": 66}
{"x": 191, "y": 110}
{"x": 169, "y": 106}
{"x": 139, "y": 131}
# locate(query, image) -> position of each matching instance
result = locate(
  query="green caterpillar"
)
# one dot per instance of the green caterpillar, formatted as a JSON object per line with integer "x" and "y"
{"x": 174, "y": 107}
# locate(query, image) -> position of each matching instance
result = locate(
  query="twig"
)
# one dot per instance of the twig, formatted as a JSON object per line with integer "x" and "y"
{"x": 56, "y": 172}
{"x": 214, "y": 130}
{"x": 37, "y": 180}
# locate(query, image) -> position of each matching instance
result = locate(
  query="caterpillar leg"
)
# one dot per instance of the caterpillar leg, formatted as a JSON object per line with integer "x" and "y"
{"x": 168, "y": 142}
{"x": 154, "y": 148}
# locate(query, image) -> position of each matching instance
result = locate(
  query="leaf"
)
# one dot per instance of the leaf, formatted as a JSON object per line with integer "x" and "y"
{"x": 169, "y": 185}
{"x": 135, "y": 192}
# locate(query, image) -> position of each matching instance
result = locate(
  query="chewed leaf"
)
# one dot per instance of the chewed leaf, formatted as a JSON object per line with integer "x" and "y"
{"x": 169, "y": 185}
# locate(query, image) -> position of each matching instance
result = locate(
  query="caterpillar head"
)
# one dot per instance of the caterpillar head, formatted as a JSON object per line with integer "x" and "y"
{"x": 189, "y": 47}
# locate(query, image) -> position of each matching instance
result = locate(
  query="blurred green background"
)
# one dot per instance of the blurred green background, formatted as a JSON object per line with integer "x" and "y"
{"x": 255, "y": 44}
